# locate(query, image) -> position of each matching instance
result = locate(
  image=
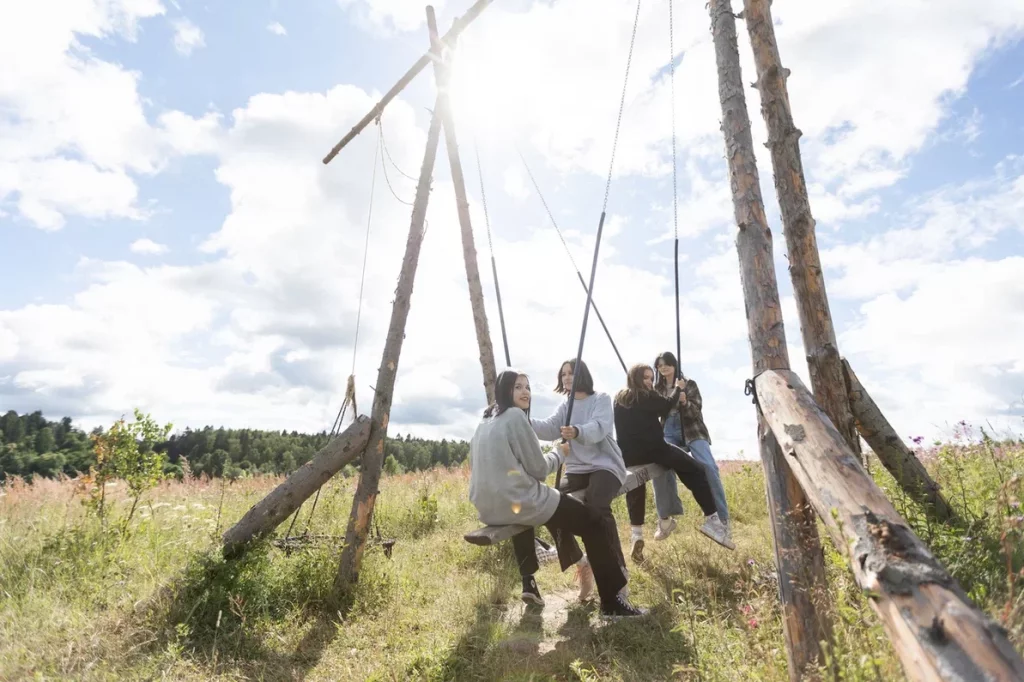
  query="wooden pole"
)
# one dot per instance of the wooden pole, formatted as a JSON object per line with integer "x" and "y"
{"x": 366, "y": 492}
{"x": 819, "y": 334}
{"x": 442, "y": 74}
{"x": 936, "y": 631}
{"x": 457, "y": 27}
{"x": 268, "y": 513}
{"x": 894, "y": 455}
{"x": 798, "y": 552}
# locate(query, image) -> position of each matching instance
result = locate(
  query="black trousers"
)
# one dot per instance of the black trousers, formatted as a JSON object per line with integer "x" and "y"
{"x": 602, "y": 487}
{"x": 572, "y": 517}
{"x": 690, "y": 472}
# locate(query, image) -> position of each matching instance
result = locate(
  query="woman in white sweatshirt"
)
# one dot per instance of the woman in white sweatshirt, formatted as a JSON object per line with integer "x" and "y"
{"x": 594, "y": 462}
{"x": 507, "y": 486}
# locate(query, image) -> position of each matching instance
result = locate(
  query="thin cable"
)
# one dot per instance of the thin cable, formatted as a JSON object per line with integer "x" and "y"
{"x": 490, "y": 246}
{"x": 384, "y": 143}
{"x": 388, "y": 180}
{"x": 622, "y": 106}
{"x": 675, "y": 191}
{"x": 366, "y": 243}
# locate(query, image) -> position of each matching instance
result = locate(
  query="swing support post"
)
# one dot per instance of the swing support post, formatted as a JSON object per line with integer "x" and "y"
{"x": 799, "y": 558}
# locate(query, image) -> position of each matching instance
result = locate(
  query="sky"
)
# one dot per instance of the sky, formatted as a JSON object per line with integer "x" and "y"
{"x": 170, "y": 239}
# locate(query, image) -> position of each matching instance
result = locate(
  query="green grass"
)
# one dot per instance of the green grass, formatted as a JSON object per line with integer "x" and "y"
{"x": 82, "y": 602}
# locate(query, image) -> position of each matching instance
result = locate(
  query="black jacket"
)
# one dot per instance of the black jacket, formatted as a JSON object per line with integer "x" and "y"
{"x": 638, "y": 428}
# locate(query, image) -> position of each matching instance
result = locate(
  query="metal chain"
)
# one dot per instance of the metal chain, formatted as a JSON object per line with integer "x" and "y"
{"x": 622, "y": 106}
{"x": 546, "y": 208}
{"x": 672, "y": 79}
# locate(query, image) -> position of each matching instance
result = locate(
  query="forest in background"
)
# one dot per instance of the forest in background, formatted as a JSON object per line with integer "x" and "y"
{"x": 31, "y": 445}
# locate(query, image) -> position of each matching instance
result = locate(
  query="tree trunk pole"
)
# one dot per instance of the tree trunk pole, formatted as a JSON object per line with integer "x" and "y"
{"x": 894, "y": 455}
{"x": 366, "y": 492}
{"x": 268, "y": 513}
{"x": 798, "y": 552}
{"x": 476, "y": 291}
{"x": 819, "y": 335}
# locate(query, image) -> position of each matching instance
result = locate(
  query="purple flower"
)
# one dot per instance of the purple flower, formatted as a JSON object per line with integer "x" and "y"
{"x": 750, "y": 562}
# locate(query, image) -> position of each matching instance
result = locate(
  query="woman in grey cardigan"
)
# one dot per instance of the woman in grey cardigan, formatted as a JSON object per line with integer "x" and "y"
{"x": 507, "y": 486}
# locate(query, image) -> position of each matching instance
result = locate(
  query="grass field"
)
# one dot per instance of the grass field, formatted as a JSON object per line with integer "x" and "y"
{"x": 78, "y": 601}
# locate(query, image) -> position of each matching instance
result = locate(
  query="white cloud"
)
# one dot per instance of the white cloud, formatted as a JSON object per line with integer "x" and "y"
{"x": 148, "y": 247}
{"x": 277, "y": 29}
{"x": 187, "y": 36}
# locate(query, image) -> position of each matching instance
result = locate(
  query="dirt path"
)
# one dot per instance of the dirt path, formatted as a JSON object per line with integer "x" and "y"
{"x": 539, "y": 630}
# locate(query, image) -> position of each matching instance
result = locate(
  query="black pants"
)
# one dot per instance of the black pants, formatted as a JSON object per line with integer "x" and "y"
{"x": 572, "y": 517}
{"x": 690, "y": 472}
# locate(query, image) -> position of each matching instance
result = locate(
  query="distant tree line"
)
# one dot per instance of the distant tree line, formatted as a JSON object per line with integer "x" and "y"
{"x": 31, "y": 445}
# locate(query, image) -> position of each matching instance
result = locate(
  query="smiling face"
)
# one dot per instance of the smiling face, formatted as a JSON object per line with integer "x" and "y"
{"x": 521, "y": 392}
{"x": 666, "y": 370}
{"x": 566, "y": 376}
{"x": 648, "y": 378}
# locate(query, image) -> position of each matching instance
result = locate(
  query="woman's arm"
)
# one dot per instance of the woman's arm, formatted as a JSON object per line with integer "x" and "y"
{"x": 600, "y": 425}
{"x": 693, "y": 403}
{"x": 526, "y": 448}
{"x": 549, "y": 428}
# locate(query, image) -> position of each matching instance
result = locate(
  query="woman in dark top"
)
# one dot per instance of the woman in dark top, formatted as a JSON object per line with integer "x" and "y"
{"x": 639, "y": 410}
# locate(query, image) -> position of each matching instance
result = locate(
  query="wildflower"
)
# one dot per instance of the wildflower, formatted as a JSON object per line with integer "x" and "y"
{"x": 917, "y": 440}
{"x": 750, "y": 562}
{"x": 746, "y": 609}
{"x": 752, "y": 622}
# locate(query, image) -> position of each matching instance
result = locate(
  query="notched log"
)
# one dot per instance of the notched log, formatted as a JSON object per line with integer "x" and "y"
{"x": 796, "y": 432}
{"x": 890, "y": 554}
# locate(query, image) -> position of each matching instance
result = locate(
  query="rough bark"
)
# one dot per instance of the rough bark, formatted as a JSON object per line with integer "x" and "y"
{"x": 816, "y": 326}
{"x": 268, "y": 513}
{"x": 476, "y": 289}
{"x": 894, "y": 455}
{"x": 802, "y": 585}
{"x": 366, "y": 492}
{"x": 936, "y": 631}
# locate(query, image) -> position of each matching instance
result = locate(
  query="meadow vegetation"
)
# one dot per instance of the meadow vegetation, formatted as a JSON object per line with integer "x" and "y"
{"x": 91, "y": 597}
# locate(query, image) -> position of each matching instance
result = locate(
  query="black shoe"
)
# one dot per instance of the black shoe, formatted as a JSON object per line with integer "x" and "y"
{"x": 531, "y": 593}
{"x": 621, "y": 608}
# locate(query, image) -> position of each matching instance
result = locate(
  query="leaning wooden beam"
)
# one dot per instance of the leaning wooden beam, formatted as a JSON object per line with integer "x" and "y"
{"x": 798, "y": 554}
{"x": 816, "y": 326}
{"x": 442, "y": 72}
{"x": 268, "y": 513}
{"x": 366, "y": 492}
{"x": 457, "y": 27}
{"x": 894, "y": 455}
{"x": 635, "y": 477}
{"x": 936, "y": 631}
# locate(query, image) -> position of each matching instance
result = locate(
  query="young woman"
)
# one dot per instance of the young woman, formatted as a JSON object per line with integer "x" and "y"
{"x": 639, "y": 410}
{"x": 594, "y": 462}
{"x": 506, "y": 485}
{"x": 684, "y": 427}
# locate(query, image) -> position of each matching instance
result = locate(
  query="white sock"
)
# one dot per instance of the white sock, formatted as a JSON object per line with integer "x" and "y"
{"x": 638, "y": 531}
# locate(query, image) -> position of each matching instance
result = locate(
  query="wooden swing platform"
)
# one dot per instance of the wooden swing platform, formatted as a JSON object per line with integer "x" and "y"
{"x": 492, "y": 535}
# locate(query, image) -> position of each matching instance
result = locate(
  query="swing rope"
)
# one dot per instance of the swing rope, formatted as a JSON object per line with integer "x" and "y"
{"x": 675, "y": 194}
{"x": 572, "y": 260}
{"x": 600, "y": 229}
{"x": 490, "y": 245}
{"x": 350, "y": 387}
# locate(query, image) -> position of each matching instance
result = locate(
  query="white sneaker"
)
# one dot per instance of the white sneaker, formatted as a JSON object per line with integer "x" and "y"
{"x": 665, "y": 528}
{"x": 717, "y": 531}
{"x": 585, "y": 576}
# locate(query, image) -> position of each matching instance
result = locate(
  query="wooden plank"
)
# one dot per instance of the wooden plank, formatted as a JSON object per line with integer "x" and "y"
{"x": 635, "y": 477}
{"x": 278, "y": 505}
{"x": 936, "y": 631}
{"x": 803, "y": 589}
{"x": 893, "y": 453}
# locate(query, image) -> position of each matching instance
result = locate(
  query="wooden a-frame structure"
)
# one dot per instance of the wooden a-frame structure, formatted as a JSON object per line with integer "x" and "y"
{"x": 809, "y": 442}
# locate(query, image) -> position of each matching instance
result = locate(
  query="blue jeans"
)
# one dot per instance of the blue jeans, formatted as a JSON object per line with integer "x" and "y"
{"x": 666, "y": 491}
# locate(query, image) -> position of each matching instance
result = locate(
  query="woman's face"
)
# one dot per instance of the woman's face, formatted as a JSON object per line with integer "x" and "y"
{"x": 648, "y": 379}
{"x": 566, "y": 375}
{"x": 521, "y": 393}
{"x": 666, "y": 370}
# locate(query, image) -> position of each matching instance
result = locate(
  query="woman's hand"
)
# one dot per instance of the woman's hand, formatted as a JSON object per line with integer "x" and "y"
{"x": 680, "y": 383}
{"x": 570, "y": 432}
{"x": 682, "y": 398}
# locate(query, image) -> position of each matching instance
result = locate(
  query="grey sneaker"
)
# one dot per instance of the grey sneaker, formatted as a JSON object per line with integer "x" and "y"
{"x": 717, "y": 531}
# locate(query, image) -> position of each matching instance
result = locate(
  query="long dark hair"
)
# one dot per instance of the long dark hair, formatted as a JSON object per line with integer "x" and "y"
{"x": 660, "y": 383}
{"x": 635, "y": 388}
{"x": 584, "y": 383}
{"x": 504, "y": 388}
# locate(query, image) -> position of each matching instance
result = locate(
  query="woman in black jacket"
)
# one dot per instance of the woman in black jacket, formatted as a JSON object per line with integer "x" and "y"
{"x": 639, "y": 410}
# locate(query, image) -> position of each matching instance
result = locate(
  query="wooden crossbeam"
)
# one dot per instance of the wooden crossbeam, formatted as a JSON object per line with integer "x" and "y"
{"x": 492, "y": 535}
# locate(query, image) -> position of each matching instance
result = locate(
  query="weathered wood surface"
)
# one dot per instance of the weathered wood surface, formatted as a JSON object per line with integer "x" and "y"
{"x": 366, "y": 491}
{"x": 635, "y": 477}
{"x": 805, "y": 271}
{"x": 894, "y": 455}
{"x": 936, "y": 631}
{"x": 278, "y": 505}
{"x": 458, "y": 26}
{"x": 442, "y": 73}
{"x": 802, "y": 585}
